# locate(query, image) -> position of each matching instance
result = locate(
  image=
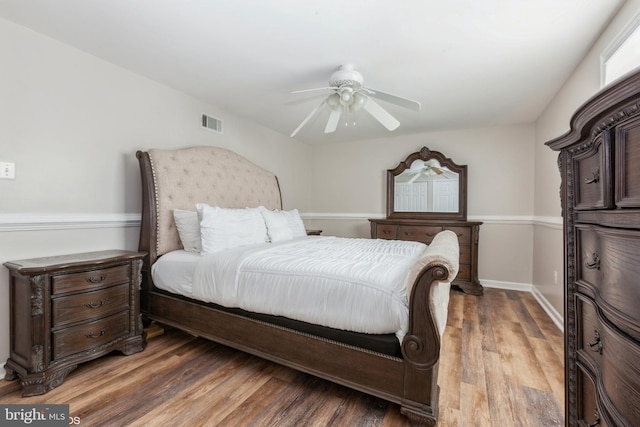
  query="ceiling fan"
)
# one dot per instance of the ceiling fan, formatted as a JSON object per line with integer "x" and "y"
{"x": 428, "y": 168}
{"x": 348, "y": 95}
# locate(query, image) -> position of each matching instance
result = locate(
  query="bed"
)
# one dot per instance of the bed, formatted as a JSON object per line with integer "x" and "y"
{"x": 400, "y": 366}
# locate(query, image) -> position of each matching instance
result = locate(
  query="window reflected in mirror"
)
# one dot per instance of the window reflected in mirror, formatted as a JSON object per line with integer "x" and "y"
{"x": 426, "y": 186}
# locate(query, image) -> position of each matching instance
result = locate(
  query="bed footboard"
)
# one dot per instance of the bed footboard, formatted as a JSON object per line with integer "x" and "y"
{"x": 428, "y": 305}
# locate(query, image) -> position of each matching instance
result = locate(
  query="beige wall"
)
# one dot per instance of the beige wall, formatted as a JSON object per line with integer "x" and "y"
{"x": 72, "y": 124}
{"x": 554, "y": 122}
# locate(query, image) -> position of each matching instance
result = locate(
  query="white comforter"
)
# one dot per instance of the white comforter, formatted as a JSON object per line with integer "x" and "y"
{"x": 352, "y": 284}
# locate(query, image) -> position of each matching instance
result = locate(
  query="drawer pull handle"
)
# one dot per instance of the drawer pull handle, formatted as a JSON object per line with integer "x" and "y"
{"x": 596, "y": 419}
{"x": 94, "y": 305}
{"x": 596, "y": 345}
{"x": 94, "y": 279}
{"x": 594, "y": 263}
{"x": 595, "y": 177}
{"x": 92, "y": 335}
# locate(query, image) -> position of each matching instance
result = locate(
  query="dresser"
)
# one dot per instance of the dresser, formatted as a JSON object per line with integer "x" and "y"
{"x": 425, "y": 230}
{"x": 70, "y": 309}
{"x": 599, "y": 163}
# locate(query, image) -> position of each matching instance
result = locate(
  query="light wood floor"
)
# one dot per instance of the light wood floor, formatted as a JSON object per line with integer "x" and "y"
{"x": 501, "y": 365}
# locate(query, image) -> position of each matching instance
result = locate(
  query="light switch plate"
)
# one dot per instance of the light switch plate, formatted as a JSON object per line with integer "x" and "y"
{"x": 7, "y": 170}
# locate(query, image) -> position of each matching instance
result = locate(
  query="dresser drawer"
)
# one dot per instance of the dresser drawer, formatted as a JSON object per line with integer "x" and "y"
{"x": 81, "y": 281}
{"x": 608, "y": 263}
{"x": 89, "y": 305}
{"x": 418, "y": 233}
{"x": 386, "y": 231}
{"x": 627, "y": 162}
{"x": 621, "y": 375}
{"x": 590, "y": 344}
{"x": 613, "y": 357}
{"x": 588, "y": 412}
{"x": 592, "y": 176}
{"x": 90, "y": 335}
{"x": 463, "y": 233}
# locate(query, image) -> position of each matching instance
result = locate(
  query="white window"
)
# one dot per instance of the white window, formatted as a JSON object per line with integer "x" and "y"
{"x": 622, "y": 55}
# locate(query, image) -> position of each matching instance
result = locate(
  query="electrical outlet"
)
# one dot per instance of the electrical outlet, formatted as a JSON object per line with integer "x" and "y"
{"x": 7, "y": 170}
{"x": 555, "y": 277}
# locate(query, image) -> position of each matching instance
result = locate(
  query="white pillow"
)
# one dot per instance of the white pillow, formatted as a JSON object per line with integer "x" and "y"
{"x": 188, "y": 229}
{"x": 222, "y": 228}
{"x": 283, "y": 225}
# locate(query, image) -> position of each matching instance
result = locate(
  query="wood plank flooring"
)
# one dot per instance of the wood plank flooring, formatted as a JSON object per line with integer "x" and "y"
{"x": 501, "y": 365}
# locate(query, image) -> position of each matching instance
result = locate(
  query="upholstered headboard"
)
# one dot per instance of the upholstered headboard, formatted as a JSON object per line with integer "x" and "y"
{"x": 178, "y": 179}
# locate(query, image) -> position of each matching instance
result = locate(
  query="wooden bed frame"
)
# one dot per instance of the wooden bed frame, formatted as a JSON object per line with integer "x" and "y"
{"x": 175, "y": 179}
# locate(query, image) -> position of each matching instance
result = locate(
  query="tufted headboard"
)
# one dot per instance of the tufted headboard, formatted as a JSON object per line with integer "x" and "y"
{"x": 178, "y": 179}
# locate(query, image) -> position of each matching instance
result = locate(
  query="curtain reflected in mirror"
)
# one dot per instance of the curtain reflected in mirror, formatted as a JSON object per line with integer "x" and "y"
{"x": 426, "y": 186}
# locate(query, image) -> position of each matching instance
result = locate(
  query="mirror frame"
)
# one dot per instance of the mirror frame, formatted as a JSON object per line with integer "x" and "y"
{"x": 425, "y": 154}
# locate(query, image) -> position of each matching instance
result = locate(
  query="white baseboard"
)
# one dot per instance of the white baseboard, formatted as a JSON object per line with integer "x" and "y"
{"x": 513, "y": 286}
{"x": 556, "y": 317}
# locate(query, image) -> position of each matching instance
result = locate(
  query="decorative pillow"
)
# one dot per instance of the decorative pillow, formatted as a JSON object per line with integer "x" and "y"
{"x": 283, "y": 225}
{"x": 188, "y": 229}
{"x": 222, "y": 228}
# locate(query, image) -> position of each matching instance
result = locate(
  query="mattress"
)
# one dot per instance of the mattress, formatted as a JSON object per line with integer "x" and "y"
{"x": 357, "y": 285}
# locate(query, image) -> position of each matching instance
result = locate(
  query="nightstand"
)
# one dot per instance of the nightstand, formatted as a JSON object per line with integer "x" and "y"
{"x": 71, "y": 309}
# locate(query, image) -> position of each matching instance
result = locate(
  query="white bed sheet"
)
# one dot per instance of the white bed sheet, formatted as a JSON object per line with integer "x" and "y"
{"x": 351, "y": 284}
{"x": 173, "y": 272}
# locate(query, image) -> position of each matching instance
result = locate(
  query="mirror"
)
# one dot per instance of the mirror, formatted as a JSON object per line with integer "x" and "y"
{"x": 427, "y": 185}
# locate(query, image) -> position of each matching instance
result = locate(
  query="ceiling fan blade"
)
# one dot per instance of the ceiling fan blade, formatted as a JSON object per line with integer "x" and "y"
{"x": 414, "y": 178}
{"x": 312, "y": 90}
{"x": 394, "y": 99}
{"x": 334, "y": 117}
{"x": 304, "y": 122}
{"x": 381, "y": 115}
{"x": 437, "y": 170}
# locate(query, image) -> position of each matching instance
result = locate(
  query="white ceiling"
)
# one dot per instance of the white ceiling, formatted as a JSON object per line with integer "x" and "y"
{"x": 468, "y": 62}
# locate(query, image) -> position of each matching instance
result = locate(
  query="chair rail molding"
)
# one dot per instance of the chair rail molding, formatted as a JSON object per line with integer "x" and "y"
{"x": 61, "y": 221}
{"x": 543, "y": 221}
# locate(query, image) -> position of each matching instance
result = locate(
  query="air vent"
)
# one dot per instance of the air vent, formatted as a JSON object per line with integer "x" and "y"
{"x": 212, "y": 123}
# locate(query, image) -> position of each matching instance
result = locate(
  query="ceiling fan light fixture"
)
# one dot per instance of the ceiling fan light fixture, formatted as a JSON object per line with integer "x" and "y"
{"x": 358, "y": 101}
{"x": 348, "y": 96}
{"x": 333, "y": 100}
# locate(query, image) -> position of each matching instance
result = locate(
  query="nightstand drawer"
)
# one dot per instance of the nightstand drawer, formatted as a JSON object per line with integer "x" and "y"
{"x": 85, "y": 280}
{"x": 89, "y": 305}
{"x": 91, "y": 335}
